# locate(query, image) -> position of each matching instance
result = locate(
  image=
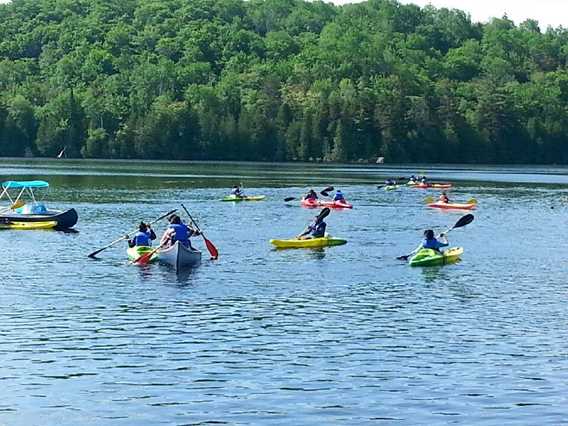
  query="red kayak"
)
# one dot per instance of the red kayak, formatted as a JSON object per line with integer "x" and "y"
{"x": 452, "y": 206}
{"x": 336, "y": 204}
{"x": 310, "y": 203}
{"x": 433, "y": 185}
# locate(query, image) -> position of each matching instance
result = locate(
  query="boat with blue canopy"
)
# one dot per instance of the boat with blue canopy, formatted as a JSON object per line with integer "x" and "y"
{"x": 24, "y": 207}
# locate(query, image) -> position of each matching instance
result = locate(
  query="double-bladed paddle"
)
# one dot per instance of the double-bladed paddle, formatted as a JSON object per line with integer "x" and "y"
{"x": 93, "y": 255}
{"x": 322, "y": 215}
{"x": 463, "y": 221}
{"x": 210, "y": 246}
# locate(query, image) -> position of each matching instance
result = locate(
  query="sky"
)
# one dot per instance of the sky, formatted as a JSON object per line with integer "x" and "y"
{"x": 546, "y": 12}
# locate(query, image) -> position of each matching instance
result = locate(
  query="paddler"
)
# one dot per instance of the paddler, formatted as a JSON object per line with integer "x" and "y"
{"x": 236, "y": 191}
{"x": 391, "y": 182}
{"x": 431, "y": 242}
{"x": 143, "y": 237}
{"x": 339, "y": 196}
{"x": 316, "y": 229}
{"x": 444, "y": 198}
{"x": 177, "y": 231}
{"x": 311, "y": 195}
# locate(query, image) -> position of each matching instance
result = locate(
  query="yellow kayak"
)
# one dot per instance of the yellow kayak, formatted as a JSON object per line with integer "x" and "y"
{"x": 29, "y": 225}
{"x": 309, "y": 243}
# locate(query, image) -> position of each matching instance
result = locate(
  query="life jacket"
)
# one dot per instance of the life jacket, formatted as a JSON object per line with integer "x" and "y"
{"x": 141, "y": 239}
{"x": 338, "y": 197}
{"x": 181, "y": 233}
{"x": 433, "y": 244}
{"x": 319, "y": 230}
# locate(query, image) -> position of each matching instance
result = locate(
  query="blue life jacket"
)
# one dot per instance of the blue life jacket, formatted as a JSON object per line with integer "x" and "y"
{"x": 318, "y": 230}
{"x": 142, "y": 238}
{"x": 338, "y": 197}
{"x": 182, "y": 233}
{"x": 433, "y": 244}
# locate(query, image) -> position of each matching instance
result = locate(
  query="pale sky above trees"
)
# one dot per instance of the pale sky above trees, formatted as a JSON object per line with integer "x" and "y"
{"x": 547, "y": 12}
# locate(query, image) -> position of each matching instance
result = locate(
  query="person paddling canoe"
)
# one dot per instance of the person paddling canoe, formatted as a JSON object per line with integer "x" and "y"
{"x": 315, "y": 230}
{"x": 444, "y": 198}
{"x": 143, "y": 237}
{"x": 177, "y": 231}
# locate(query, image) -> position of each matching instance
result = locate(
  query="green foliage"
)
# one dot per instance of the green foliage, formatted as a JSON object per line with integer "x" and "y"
{"x": 279, "y": 80}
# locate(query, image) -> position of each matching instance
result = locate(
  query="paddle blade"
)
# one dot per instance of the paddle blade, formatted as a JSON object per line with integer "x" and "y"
{"x": 328, "y": 189}
{"x": 463, "y": 221}
{"x": 324, "y": 213}
{"x": 289, "y": 199}
{"x": 404, "y": 258}
{"x": 93, "y": 255}
{"x": 428, "y": 200}
{"x": 472, "y": 201}
{"x": 211, "y": 248}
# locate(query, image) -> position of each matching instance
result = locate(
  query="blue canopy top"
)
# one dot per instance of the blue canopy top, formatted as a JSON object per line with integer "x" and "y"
{"x": 25, "y": 184}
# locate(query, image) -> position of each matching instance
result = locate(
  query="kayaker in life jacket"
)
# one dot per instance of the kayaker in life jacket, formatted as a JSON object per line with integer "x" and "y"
{"x": 143, "y": 237}
{"x": 311, "y": 195}
{"x": 431, "y": 242}
{"x": 444, "y": 198}
{"x": 390, "y": 182}
{"x": 236, "y": 191}
{"x": 177, "y": 231}
{"x": 316, "y": 229}
{"x": 339, "y": 196}
{"x": 412, "y": 179}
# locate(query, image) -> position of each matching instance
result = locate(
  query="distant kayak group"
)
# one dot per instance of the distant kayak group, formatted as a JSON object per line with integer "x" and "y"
{"x": 175, "y": 248}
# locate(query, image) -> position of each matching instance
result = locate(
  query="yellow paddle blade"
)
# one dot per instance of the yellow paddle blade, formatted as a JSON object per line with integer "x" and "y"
{"x": 428, "y": 200}
{"x": 472, "y": 201}
{"x": 17, "y": 205}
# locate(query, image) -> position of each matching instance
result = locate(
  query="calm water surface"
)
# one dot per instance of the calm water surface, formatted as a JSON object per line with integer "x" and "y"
{"x": 345, "y": 335}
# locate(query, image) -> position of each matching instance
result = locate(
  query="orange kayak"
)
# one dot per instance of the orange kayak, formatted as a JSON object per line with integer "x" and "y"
{"x": 433, "y": 185}
{"x": 452, "y": 206}
{"x": 331, "y": 204}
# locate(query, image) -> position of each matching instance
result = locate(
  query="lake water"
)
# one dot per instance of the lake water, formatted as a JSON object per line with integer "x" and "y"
{"x": 345, "y": 335}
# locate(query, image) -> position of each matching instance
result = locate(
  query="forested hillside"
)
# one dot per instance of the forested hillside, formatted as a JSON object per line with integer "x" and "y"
{"x": 278, "y": 80}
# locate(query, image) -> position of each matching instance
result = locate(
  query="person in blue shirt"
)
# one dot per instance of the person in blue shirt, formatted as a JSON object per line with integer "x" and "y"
{"x": 143, "y": 237}
{"x": 177, "y": 231}
{"x": 431, "y": 242}
{"x": 236, "y": 191}
{"x": 338, "y": 196}
{"x": 315, "y": 230}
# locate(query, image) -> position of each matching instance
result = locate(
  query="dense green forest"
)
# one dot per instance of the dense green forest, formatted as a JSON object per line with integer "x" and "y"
{"x": 278, "y": 80}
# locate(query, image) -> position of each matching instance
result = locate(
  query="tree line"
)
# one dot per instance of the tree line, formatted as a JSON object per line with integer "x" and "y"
{"x": 279, "y": 80}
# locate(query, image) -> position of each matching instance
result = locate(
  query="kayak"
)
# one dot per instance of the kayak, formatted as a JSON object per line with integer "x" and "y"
{"x": 310, "y": 203}
{"x": 134, "y": 253}
{"x": 28, "y": 225}
{"x": 452, "y": 206}
{"x": 179, "y": 256}
{"x": 309, "y": 243}
{"x": 391, "y": 187}
{"x": 336, "y": 204}
{"x": 429, "y": 257}
{"x": 433, "y": 185}
{"x": 244, "y": 198}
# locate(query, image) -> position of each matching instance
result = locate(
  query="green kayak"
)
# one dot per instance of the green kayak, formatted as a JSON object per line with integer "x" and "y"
{"x": 429, "y": 257}
{"x": 391, "y": 187}
{"x": 135, "y": 252}
{"x": 244, "y": 198}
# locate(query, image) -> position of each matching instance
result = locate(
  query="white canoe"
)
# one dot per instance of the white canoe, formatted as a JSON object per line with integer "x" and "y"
{"x": 180, "y": 256}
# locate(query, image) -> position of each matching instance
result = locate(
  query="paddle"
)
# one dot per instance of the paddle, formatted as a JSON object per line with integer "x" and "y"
{"x": 210, "y": 246}
{"x": 94, "y": 254}
{"x": 325, "y": 192}
{"x": 463, "y": 221}
{"x": 287, "y": 199}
